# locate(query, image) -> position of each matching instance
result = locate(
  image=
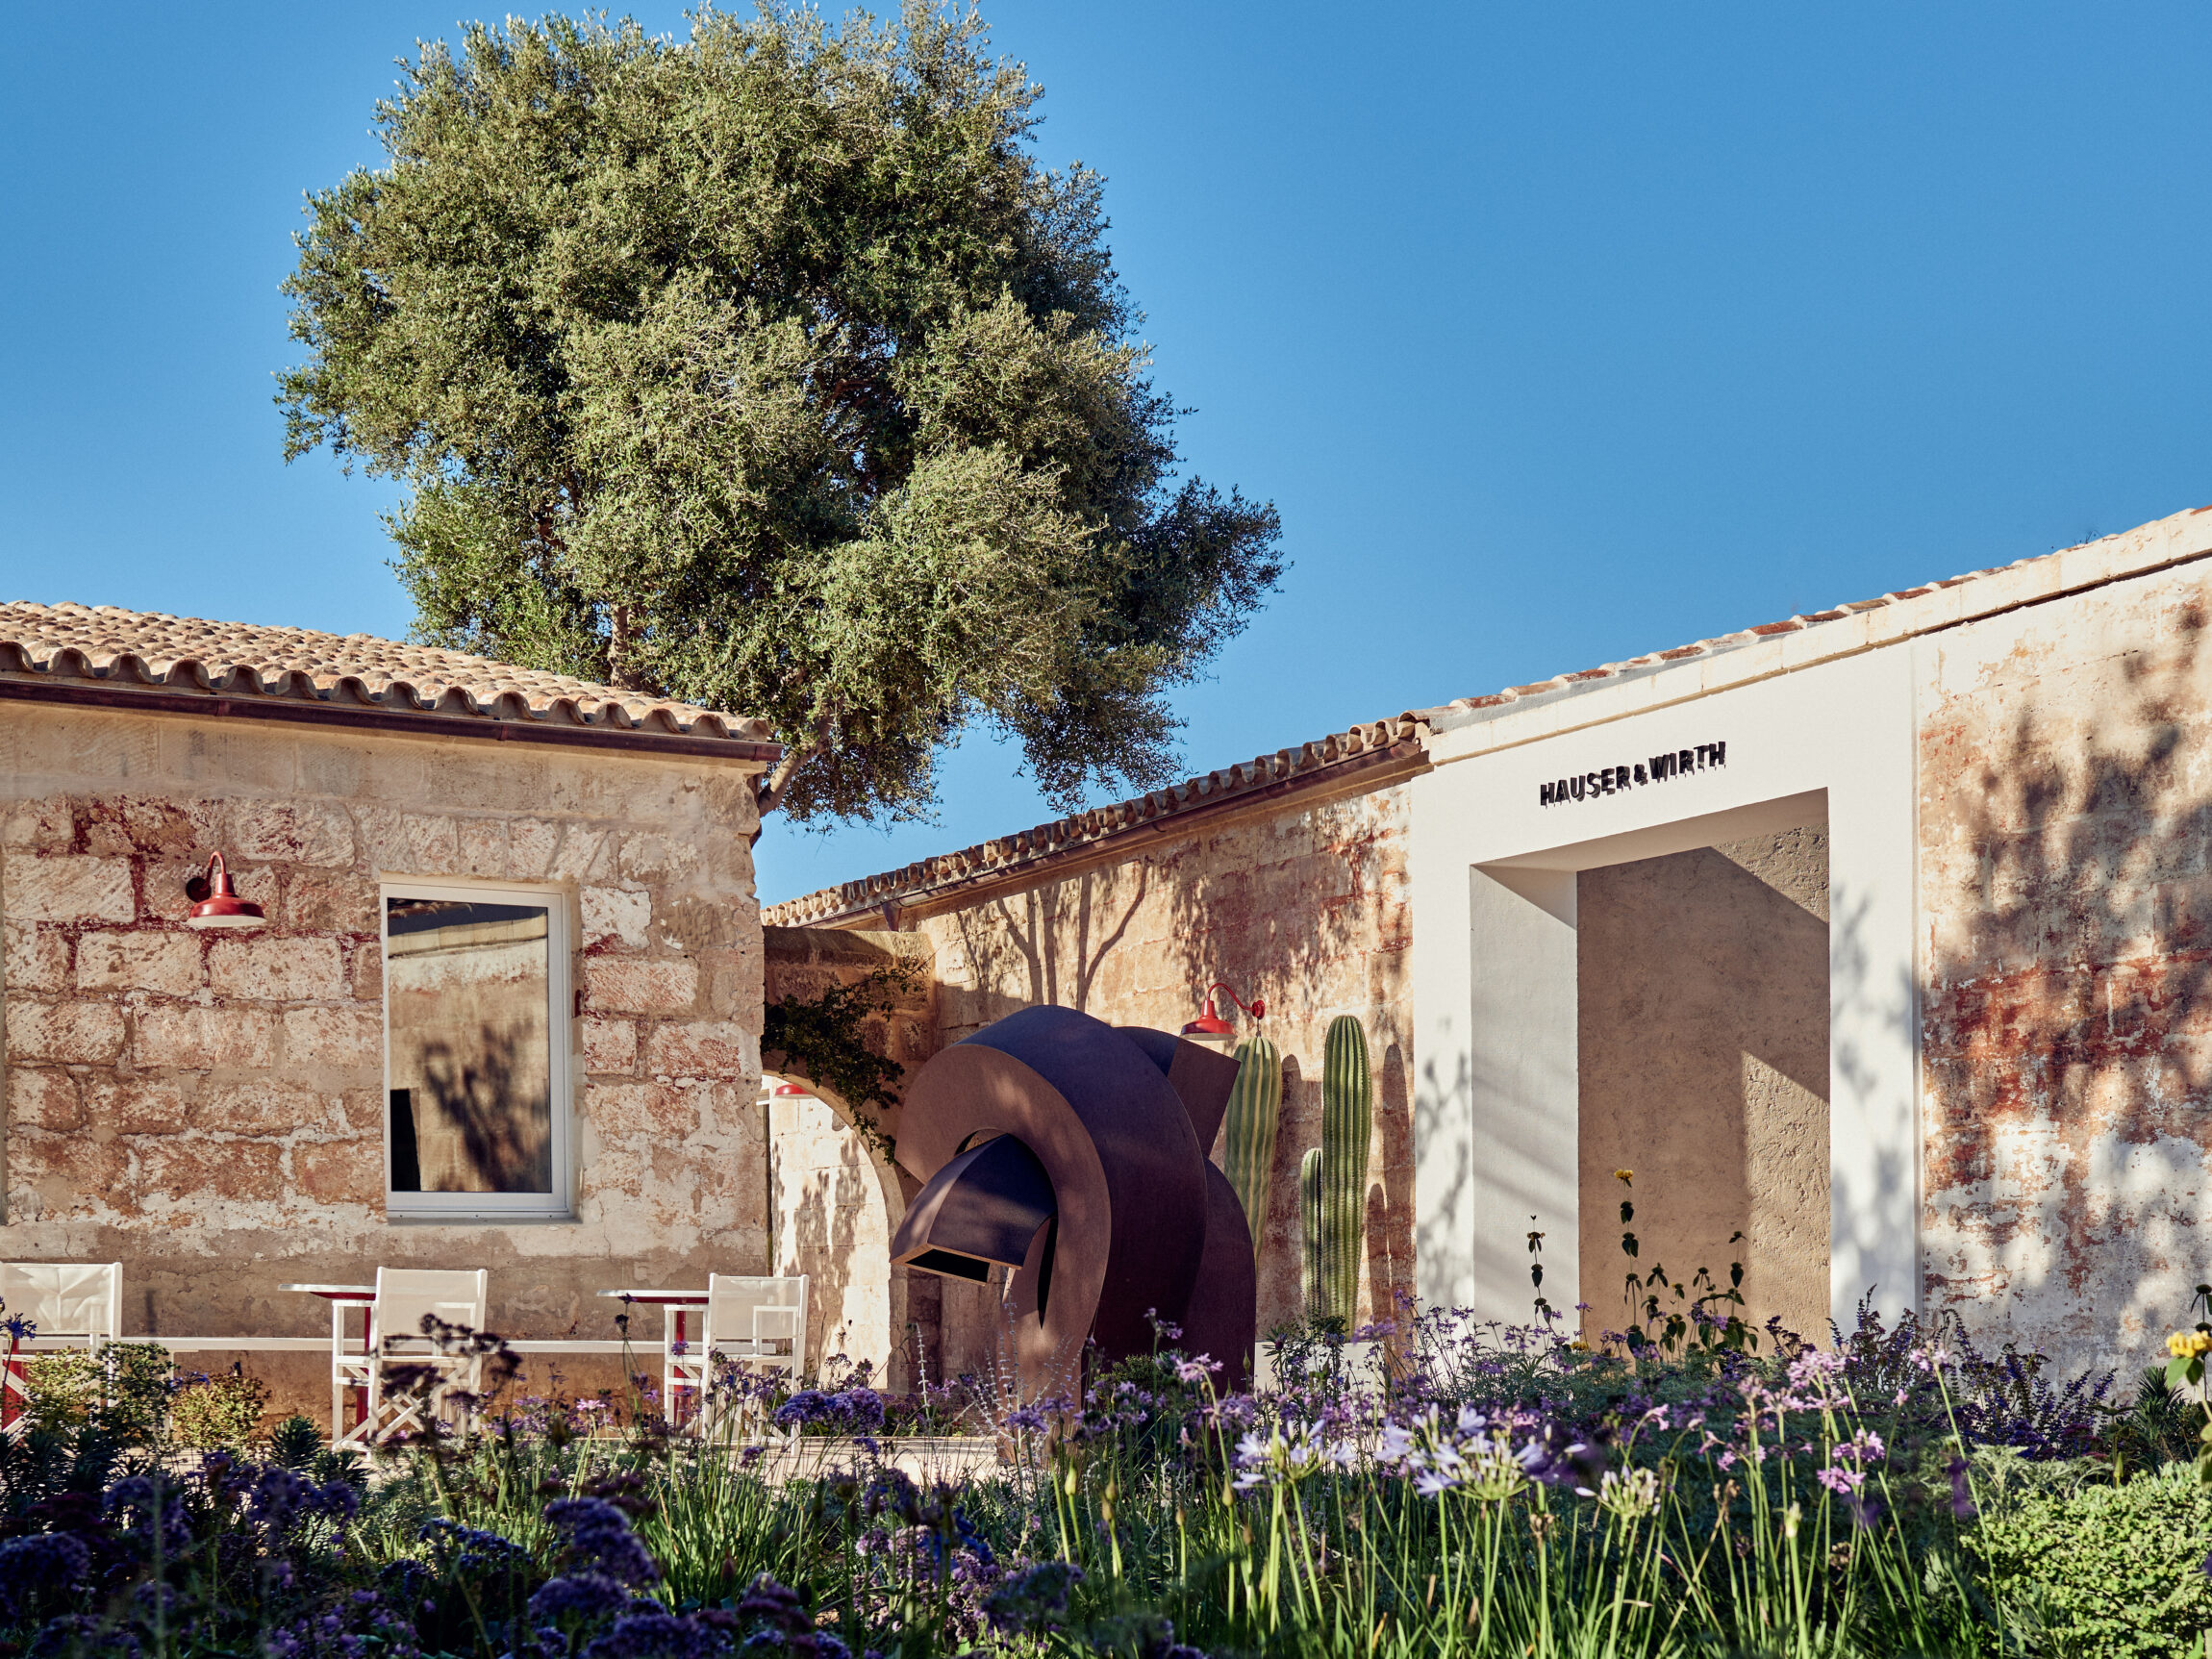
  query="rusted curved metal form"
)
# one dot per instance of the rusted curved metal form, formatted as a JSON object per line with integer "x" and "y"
{"x": 1071, "y": 1154}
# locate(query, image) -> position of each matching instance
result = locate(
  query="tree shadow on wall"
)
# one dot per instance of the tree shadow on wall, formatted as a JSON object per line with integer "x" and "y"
{"x": 1289, "y": 909}
{"x": 2067, "y": 857}
{"x": 476, "y": 1098}
{"x": 1052, "y": 939}
{"x": 824, "y": 1206}
{"x": 1312, "y": 917}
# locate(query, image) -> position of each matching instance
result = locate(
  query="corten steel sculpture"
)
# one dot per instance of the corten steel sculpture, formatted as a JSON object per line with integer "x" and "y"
{"x": 1073, "y": 1154}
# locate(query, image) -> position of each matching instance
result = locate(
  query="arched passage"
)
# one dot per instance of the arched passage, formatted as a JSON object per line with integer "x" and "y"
{"x": 833, "y": 1206}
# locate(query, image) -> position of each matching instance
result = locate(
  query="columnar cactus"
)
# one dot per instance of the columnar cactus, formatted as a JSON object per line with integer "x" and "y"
{"x": 1253, "y": 1104}
{"x": 1347, "y": 1117}
{"x": 1310, "y": 1226}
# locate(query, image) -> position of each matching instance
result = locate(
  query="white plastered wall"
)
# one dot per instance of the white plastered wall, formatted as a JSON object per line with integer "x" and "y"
{"x": 1493, "y": 877}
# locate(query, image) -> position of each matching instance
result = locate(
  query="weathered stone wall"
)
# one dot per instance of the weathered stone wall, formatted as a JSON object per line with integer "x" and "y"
{"x": 209, "y": 1109}
{"x": 1702, "y": 1002}
{"x": 834, "y": 1219}
{"x": 1305, "y": 906}
{"x": 2065, "y": 824}
{"x": 838, "y": 1202}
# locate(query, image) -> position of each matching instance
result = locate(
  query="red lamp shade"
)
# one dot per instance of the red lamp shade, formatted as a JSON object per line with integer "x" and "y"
{"x": 217, "y": 901}
{"x": 1209, "y": 1024}
{"x": 1211, "y": 1027}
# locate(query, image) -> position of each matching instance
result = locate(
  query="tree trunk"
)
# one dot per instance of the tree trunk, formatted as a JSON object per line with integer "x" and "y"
{"x": 769, "y": 790}
{"x": 622, "y": 644}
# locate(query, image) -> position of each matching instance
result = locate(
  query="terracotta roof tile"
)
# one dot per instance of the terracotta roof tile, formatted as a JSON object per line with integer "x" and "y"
{"x": 1011, "y": 853}
{"x": 155, "y": 651}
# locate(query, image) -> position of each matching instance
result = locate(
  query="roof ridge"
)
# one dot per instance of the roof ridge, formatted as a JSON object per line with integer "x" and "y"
{"x": 192, "y": 655}
{"x": 1242, "y": 779}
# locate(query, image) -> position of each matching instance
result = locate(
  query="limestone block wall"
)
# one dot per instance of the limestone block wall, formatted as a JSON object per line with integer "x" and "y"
{"x": 1305, "y": 906}
{"x": 2065, "y": 896}
{"x": 208, "y": 1108}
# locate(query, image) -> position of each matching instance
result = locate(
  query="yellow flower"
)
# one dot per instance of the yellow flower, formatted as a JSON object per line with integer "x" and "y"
{"x": 2187, "y": 1345}
{"x": 1624, "y": 1175}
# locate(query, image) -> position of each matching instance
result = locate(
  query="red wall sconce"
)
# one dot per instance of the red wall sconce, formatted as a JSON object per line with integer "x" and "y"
{"x": 215, "y": 902}
{"x": 1211, "y": 1028}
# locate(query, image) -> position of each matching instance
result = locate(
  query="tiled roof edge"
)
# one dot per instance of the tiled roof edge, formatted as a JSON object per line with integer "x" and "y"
{"x": 450, "y": 700}
{"x": 1861, "y": 623}
{"x": 1285, "y": 771}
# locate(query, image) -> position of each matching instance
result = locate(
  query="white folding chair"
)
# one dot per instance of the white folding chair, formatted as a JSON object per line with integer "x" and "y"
{"x": 750, "y": 1321}
{"x": 69, "y": 1301}
{"x": 404, "y": 1295}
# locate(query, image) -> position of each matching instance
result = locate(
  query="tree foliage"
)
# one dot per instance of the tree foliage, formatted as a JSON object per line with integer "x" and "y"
{"x": 825, "y": 1038}
{"x": 768, "y": 369}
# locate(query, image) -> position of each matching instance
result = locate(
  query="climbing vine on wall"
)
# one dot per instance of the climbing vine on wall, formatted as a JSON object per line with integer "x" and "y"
{"x": 822, "y": 1037}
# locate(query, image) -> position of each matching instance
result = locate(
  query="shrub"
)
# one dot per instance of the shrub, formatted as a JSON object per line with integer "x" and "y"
{"x": 2108, "y": 1571}
{"x": 122, "y": 1392}
{"x": 219, "y": 1413}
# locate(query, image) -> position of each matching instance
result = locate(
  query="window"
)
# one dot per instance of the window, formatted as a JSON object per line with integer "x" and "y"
{"x": 476, "y": 1050}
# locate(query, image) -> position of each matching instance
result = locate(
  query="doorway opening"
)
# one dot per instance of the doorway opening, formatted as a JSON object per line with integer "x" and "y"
{"x": 1701, "y": 1014}
{"x": 1659, "y": 1001}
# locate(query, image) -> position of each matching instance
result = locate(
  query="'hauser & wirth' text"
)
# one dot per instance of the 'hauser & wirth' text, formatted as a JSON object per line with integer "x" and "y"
{"x": 1614, "y": 780}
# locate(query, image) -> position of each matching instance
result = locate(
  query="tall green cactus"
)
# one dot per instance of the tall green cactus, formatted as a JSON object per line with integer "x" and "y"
{"x": 1347, "y": 1118}
{"x": 1310, "y": 1227}
{"x": 1253, "y": 1105}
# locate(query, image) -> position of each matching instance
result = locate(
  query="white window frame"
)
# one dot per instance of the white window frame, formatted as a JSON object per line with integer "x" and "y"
{"x": 560, "y": 1204}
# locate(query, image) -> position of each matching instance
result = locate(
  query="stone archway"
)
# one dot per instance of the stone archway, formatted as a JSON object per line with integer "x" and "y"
{"x": 828, "y": 1167}
{"x": 833, "y": 1206}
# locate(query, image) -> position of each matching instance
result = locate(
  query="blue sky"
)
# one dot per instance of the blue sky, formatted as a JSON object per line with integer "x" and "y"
{"x": 1558, "y": 333}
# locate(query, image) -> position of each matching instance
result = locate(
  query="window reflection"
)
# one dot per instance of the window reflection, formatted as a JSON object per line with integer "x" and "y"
{"x": 467, "y": 993}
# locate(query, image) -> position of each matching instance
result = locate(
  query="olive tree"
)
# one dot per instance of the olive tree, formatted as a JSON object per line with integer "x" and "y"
{"x": 770, "y": 369}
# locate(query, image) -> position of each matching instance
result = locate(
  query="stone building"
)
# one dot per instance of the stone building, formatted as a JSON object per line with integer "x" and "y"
{"x": 504, "y": 1010}
{"x": 1876, "y": 942}
{"x": 1873, "y": 941}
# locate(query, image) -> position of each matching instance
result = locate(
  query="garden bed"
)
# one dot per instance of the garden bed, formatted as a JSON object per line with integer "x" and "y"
{"x": 1520, "y": 1497}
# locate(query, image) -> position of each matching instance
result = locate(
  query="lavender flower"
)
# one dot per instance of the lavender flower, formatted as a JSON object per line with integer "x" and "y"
{"x": 44, "y": 1559}
{"x": 1035, "y": 1603}
{"x": 653, "y": 1634}
{"x": 133, "y": 1503}
{"x": 79, "y": 1633}
{"x": 1866, "y": 1510}
{"x": 1962, "y": 1504}
{"x": 599, "y": 1539}
{"x": 580, "y": 1596}
{"x": 358, "y": 1624}
{"x": 470, "y": 1550}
